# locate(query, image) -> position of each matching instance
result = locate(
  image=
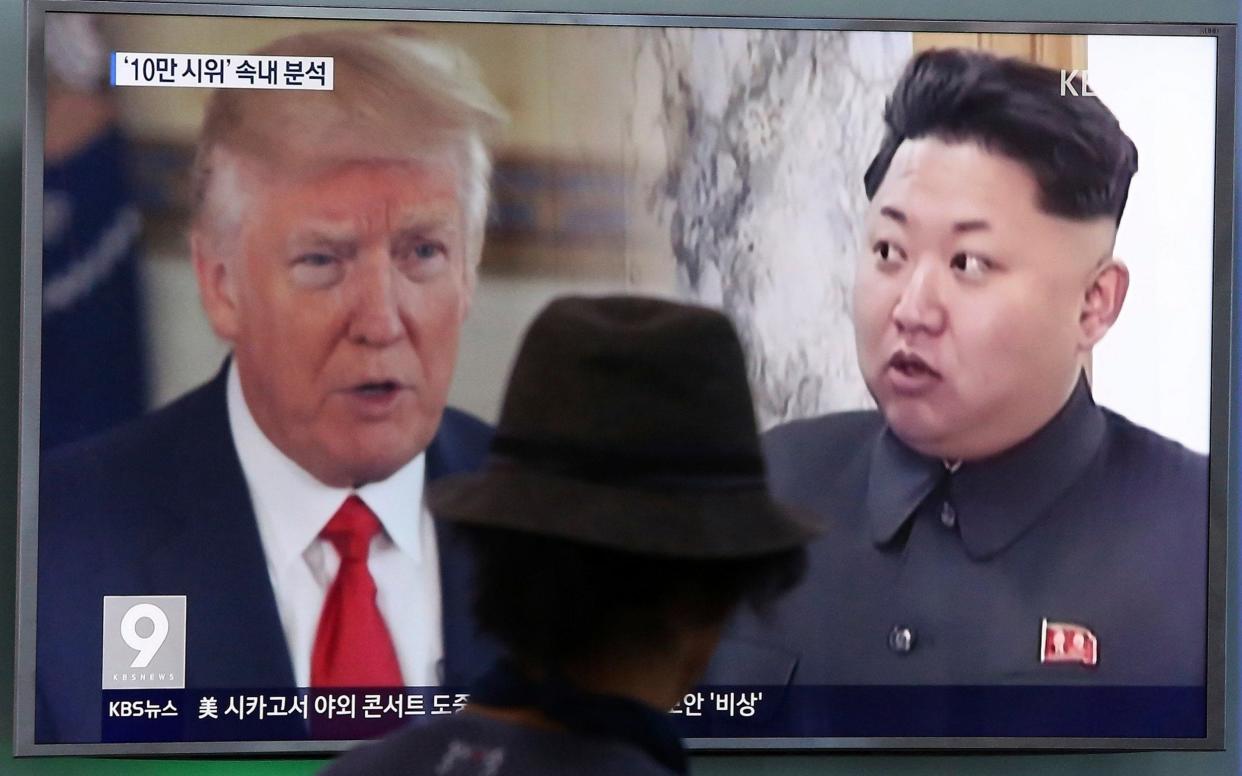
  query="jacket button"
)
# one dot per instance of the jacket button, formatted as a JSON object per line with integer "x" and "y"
{"x": 901, "y": 639}
{"x": 948, "y": 515}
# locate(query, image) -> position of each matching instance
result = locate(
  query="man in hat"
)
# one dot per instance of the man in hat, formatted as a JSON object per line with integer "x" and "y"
{"x": 994, "y": 524}
{"x": 621, "y": 518}
{"x": 335, "y": 241}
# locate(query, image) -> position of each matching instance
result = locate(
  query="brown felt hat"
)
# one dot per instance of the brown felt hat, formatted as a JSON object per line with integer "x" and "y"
{"x": 628, "y": 424}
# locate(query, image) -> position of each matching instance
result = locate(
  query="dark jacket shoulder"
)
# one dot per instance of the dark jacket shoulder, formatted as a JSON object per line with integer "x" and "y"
{"x": 204, "y": 404}
{"x": 830, "y": 429}
{"x": 1129, "y": 443}
{"x": 183, "y": 445}
{"x": 1159, "y": 484}
{"x": 829, "y": 445}
{"x": 460, "y": 445}
{"x": 469, "y": 743}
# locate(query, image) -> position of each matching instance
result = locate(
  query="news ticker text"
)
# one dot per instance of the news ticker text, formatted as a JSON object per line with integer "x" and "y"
{"x": 311, "y": 704}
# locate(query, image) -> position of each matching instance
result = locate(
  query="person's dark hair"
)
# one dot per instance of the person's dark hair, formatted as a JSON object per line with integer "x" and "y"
{"x": 551, "y": 601}
{"x": 1073, "y": 146}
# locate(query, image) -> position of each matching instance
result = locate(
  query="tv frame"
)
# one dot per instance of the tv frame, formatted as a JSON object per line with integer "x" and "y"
{"x": 1223, "y": 442}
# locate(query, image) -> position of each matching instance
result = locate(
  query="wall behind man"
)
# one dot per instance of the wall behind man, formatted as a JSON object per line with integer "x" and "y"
{"x": 11, "y": 80}
{"x": 1154, "y": 363}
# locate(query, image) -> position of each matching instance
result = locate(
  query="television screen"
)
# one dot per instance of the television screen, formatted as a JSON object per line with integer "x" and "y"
{"x": 279, "y": 260}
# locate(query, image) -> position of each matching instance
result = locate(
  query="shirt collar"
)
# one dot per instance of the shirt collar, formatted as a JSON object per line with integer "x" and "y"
{"x": 292, "y": 507}
{"x": 995, "y": 499}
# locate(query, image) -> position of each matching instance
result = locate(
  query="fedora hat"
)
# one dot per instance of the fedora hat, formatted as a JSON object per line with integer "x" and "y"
{"x": 628, "y": 424}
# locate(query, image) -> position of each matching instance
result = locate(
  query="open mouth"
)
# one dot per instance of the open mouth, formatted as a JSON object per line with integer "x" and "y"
{"x": 911, "y": 365}
{"x": 377, "y": 389}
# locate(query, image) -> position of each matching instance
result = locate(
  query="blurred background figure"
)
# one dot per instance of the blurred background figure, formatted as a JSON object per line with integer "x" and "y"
{"x": 94, "y": 375}
{"x": 610, "y": 554}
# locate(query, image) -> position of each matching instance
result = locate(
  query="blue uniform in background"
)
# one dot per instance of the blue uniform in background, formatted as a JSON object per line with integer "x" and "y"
{"x": 93, "y": 369}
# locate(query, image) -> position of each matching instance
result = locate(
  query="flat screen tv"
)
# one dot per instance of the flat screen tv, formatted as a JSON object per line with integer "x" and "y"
{"x": 982, "y": 272}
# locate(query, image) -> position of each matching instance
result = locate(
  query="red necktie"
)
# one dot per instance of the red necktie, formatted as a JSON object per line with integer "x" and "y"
{"x": 352, "y": 645}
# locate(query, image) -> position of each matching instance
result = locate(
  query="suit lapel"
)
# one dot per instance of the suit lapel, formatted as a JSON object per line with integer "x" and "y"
{"x": 215, "y": 559}
{"x": 467, "y": 653}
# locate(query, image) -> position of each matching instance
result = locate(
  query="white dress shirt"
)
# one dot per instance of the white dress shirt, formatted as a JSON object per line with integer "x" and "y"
{"x": 292, "y": 507}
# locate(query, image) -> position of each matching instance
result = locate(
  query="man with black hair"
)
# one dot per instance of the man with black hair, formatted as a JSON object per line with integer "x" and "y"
{"x": 994, "y": 525}
{"x": 609, "y": 554}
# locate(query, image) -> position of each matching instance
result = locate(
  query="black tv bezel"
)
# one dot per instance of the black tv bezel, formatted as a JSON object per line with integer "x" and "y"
{"x": 1223, "y": 440}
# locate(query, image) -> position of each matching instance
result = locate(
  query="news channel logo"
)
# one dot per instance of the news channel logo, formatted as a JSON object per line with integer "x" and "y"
{"x": 143, "y": 642}
{"x": 1076, "y": 83}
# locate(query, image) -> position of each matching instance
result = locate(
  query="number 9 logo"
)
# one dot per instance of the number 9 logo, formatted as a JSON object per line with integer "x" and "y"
{"x": 147, "y": 646}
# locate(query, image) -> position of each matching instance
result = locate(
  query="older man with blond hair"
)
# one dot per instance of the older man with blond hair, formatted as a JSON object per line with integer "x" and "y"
{"x": 335, "y": 240}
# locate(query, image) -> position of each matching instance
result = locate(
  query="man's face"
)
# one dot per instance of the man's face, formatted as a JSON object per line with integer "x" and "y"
{"x": 974, "y": 309}
{"x": 344, "y": 308}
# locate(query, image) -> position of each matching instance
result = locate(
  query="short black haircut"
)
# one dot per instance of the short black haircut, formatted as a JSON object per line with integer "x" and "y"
{"x": 1073, "y": 146}
{"x": 553, "y": 602}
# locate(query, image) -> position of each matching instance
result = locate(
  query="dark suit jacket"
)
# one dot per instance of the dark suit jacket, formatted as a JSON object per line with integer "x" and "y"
{"x": 1093, "y": 521}
{"x": 160, "y": 507}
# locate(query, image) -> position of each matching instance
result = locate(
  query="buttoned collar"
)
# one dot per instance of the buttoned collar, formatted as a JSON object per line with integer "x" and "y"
{"x": 292, "y": 507}
{"x": 995, "y": 499}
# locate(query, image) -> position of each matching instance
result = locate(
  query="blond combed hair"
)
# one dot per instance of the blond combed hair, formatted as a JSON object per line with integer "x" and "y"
{"x": 398, "y": 96}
